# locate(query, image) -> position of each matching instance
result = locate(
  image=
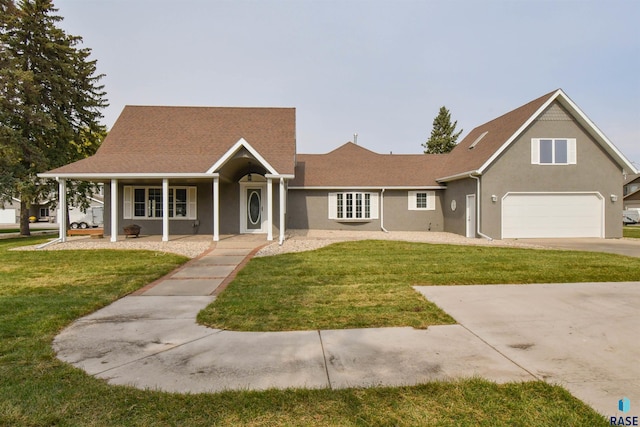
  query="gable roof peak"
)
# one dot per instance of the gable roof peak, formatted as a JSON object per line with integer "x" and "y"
{"x": 502, "y": 131}
{"x": 351, "y": 147}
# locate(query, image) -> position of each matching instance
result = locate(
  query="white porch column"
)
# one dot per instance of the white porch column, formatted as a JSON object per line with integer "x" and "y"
{"x": 165, "y": 210}
{"x": 216, "y": 208}
{"x": 114, "y": 210}
{"x": 283, "y": 207}
{"x": 269, "y": 209}
{"x": 62, "y": 217}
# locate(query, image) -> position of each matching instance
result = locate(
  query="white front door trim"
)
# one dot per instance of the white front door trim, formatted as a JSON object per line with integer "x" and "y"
{"x": 264, "y": 208}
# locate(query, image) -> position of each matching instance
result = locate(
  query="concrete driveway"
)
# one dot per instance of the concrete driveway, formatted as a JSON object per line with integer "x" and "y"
{"x": 583, "y": 336}
{"x": 629, "y": 247}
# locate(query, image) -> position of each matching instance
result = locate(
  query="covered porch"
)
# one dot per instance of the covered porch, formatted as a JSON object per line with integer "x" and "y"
{"x": 240, "y": 194}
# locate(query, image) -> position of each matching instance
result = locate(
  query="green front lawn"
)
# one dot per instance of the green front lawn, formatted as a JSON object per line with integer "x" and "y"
{"x": 17, "y": 230}
{"x": 633, "y": 232}
{"x": 42, "y": 292}
{"x": 369, "y": 283}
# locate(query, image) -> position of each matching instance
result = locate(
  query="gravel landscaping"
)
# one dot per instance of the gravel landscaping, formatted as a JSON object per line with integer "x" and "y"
{"x": 296, "y": 241}
{"x": 188, "y": 248}
{"x": 307, "y": 240}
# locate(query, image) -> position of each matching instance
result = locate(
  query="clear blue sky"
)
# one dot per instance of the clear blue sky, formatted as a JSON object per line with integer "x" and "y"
{"x": 378, "y": 68}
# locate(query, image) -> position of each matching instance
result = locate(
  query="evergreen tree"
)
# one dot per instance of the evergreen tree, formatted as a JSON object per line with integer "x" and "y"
{"x": 50, "y": 101}
{"x": 443, "y": 135}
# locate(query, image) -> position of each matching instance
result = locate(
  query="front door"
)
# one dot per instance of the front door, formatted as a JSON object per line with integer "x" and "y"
{"x": 252, "y": 208}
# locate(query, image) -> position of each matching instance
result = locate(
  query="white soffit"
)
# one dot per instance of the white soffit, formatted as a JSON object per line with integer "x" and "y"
{"x": 233, "y": 150}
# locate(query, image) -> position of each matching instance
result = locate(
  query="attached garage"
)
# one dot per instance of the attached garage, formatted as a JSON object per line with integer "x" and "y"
{"x": 543, "y": 215}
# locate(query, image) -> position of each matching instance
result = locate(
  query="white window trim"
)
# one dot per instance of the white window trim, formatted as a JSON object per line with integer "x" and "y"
{"x": 373, "y": 206}
{"x": 571, "y": 152}
{"x": 413, "y": 200}
{"x": 128, "y": 203}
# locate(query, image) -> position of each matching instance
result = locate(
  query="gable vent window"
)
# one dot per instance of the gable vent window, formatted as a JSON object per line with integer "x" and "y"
{"x": 422, "y": 200}
{"x": 553, "y": 151}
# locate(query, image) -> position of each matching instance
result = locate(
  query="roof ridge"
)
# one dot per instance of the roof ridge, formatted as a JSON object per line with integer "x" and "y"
{"x": 206, "y": 107}
{"x": 539, "y": 99}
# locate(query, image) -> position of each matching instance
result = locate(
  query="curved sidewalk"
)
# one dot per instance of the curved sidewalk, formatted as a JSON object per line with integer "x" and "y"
{"x": 150, "y": 340}
{"x": 580, "y": 335}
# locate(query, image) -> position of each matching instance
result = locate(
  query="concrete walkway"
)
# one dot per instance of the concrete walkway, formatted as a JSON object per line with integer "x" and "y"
{"x": 150, "y": 340}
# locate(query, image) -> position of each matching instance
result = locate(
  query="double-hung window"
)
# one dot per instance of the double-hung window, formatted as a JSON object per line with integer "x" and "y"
{"x": 147, "y": 202}
{"x": 422, "y": 200}
{"x": 553, "y": 151}
{"x": 353, "y": 206}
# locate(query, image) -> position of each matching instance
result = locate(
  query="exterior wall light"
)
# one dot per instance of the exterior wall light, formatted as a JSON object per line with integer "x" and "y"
{"x": 494, "y": 198}
{"x": 614, "y": 198}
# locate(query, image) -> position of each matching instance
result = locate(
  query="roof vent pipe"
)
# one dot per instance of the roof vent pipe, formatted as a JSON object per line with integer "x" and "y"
{"x": 355, "y": 138}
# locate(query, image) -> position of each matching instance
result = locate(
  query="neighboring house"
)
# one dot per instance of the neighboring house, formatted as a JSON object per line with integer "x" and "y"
{"x": 44, "y": 211}
{"x": 10, "y": 212}
{"x": 541, "y": 170}
{"x": 631, "y": 184}
{"x": 631, "y": 192}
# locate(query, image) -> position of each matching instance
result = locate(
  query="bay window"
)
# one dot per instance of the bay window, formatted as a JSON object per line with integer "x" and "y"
{"x": 353, "y": 206}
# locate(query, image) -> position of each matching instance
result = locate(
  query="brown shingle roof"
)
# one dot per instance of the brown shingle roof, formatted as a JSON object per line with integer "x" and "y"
{"x": 351, "y": 165}
{"x": 148, "y": 139}
{"x": 498, "y": 131}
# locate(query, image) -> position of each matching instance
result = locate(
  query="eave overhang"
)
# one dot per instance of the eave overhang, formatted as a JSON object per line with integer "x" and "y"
{"x": 109, "y": 176}
{"x": 370, "y": 187}
{"x": 458, "y": 176}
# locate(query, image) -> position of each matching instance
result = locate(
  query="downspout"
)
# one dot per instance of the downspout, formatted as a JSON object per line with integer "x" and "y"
{"x": 281, "y": 211}
{"x": 44, "y": 245}
{"x": 382, "y": 212}
{"x": 478, "y": 208}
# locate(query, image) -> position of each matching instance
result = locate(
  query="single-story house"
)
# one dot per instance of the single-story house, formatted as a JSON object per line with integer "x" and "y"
{"x": 10, "y": 212}
{"x": 541, "y": 170}
{"x": 631, "y": 192}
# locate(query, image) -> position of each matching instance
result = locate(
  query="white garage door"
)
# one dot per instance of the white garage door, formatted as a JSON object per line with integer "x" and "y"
{"x": 7, "y": 216}
{"x": 552, "y": 215}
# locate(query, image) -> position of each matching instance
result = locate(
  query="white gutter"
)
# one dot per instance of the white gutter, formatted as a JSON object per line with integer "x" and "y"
{"x": 369, "y": 187}
{"x": 382, "y": 212}
{"x": 457, "y": 176}
{"x": 478, "y": 208}
{"x": 132, "y": 175}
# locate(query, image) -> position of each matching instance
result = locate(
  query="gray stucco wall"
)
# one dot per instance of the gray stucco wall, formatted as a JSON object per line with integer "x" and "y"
{"x": 513, "y": 172}
{"x": 229, "y": 210}
{"x": 455, "y": 221}
{"x": 309, "y": 209}
{"x": 397, "y": 216}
